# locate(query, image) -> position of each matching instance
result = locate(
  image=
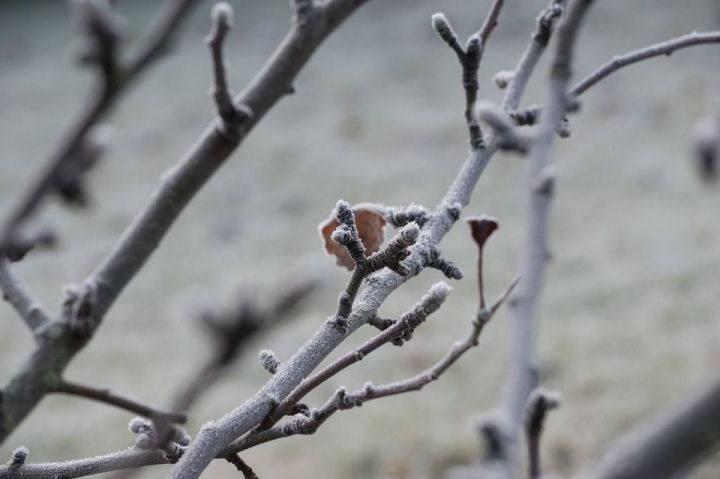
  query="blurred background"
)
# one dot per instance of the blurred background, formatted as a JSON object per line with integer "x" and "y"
{"x": 629, "y": 316}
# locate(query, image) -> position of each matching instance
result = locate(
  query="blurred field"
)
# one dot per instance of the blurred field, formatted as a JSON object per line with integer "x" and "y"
{"x": 630, "y": 318}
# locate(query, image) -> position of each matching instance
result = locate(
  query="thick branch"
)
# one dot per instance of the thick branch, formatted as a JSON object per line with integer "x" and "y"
{"x": 671, "y": 446}
{"x": 327, "y": 338}
{"x": 178, "y": 187}
{"x": 102, "y": 100}
{"x": 14, "y": 293}
{"x": 106, "y": 396}
{"x": 521, "y": 377}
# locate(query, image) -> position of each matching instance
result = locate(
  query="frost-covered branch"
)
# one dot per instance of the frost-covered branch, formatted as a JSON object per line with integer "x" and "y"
{"x": 217, "y": 434}
{"x": 658, "y": 49}
{"x": 309, "y": 422}
{"x": 178, "y": 187}
{"x": 231, "y": 117}
{"x": 401, "y": 330}
{"x": 668, "y": 47}
{"x": 469, "y": 58}
{"x": 15, "y": 293}
{"x": 106, "y": 396}
{"x": 521, "y": 378}
{"x": 102, "y": 36}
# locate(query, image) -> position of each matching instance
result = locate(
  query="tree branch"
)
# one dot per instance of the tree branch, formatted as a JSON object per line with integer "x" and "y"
{"x": 671, "y": 446}
{"x": 663, "y": 48}
{"x": 342, "y": 399}
{"x": 538, "y": 43}
{"x": 103, "y": 98}
{"x": 237, "y": 422}
{"x": 178, "y": 187}
{"x": 521, "y": 377}
{"x": 469, "y": 58}
{"x": 427, "y": 305}
{"x": 106, "y": 396}
{"x": 231, "y": 332}
{"x": 539, "y": 404}
{"x": 668, "y": 47}
{"x": 14, "y": 293}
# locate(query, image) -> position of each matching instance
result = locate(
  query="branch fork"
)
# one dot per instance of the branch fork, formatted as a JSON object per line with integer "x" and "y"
{"x": 231, "y": 117}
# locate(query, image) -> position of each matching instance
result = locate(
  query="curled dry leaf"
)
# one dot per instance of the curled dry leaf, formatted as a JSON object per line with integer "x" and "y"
{"x": 481, "y": 228}
{"x": 371, "y": 229}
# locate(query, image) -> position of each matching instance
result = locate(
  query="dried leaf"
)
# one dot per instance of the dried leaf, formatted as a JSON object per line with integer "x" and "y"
{"x": 371, "y": 229}
{"x": 482, "y": 228}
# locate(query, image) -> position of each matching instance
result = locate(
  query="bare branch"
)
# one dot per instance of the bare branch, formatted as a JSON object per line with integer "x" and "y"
{"x": 237, "y": 422}
{"x": 668, "y": 47}
{"x": 400, "y": 329}
{"x": 126, "y": 459}
{"x": 178, "y": 187}
{"x": 663, "y": 48}
{"x": 342, "y": 399}
{"x": 539, "y": 404}
{"x": 241, "y": 466}
{"x": 106, "y": 396}
{"x": 521, "y": 378}
{"x": 102, "y": 100}
{"x": 232, "y": 330}
{"x": 508, "y": 137}
{"x": 231, "y": 117}
{"x": 491, "y": 21}
{"x": 525, "y": 67}
{"x": 469, "y": 58}
{"x": 669, "y": 447}
{"x": 13, "y": 292}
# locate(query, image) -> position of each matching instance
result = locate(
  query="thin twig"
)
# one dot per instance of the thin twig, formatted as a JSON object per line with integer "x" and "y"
{"x": 241, "y": 466}
{"x": 539, "y": 404}
{"x": 469, "y": 58}
{"x": 491, "y": 21}
{"x": 14, "y": 293}
{"x": 664, "y": 48}
{"x": 106, "y": 396}
{"x": 230, "y": 116}
{"x": 427, "y": 305}
{"x": 618, "y": 62}
{"x": 231, "y": 331}
{"x": 342, "y": 399}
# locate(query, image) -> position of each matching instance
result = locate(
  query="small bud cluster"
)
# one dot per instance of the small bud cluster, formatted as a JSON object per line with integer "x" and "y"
{"x": 79, "y": 309}
{"x": 269, "y": 360}
{"x": 147, "y": 437}
{"x": 401, "y": 216}
{"x": 427, "y": 305}
{"x": 396, "y": 251}
{"x": 18, "y": 457}
{"x": 503, "y": 78}
{"x": 346, "y": 234}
